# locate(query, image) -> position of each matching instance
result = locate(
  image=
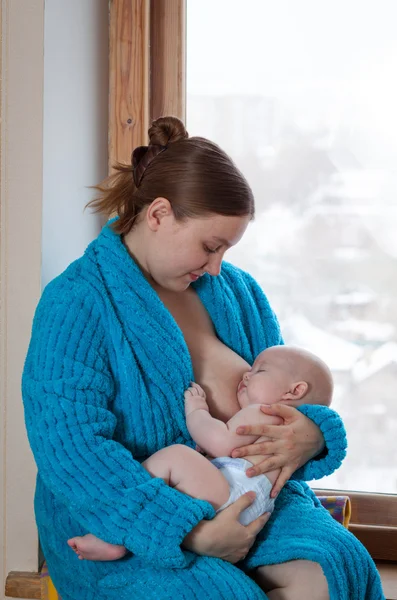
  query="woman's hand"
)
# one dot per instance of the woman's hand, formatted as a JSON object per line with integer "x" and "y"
{"x": 289, "y": 446}
{"x": 224, "y": 537}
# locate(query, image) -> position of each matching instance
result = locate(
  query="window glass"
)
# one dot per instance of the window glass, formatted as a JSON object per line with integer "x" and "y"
{"x": 303, "y": 96}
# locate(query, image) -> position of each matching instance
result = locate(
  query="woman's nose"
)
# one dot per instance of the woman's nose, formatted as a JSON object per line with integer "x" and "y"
{"x": 213, "y": 266}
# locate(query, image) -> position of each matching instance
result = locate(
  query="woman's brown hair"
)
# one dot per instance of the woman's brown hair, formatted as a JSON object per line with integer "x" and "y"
{"x": 194, "y": 174}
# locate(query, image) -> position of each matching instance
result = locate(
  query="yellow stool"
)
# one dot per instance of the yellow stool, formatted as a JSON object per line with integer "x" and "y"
{"x": 48, "y": 591}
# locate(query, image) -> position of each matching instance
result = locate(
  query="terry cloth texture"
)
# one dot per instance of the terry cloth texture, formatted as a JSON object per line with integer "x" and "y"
{"x": 103, "y": 388}
{"x": 233, "y": 470}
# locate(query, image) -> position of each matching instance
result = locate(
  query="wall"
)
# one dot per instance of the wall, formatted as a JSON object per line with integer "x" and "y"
{"x": 75, "y": 126}
{"x": 54, "y": 93}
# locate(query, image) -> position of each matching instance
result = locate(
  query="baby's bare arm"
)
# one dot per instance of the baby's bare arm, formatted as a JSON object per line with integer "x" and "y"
{"x": 212, "y": 435}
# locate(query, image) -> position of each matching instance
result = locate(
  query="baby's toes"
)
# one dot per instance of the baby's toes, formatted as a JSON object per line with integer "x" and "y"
{"x": 72, "y": 544}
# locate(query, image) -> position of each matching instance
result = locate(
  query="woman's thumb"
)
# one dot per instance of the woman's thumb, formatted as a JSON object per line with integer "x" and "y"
{"x": 244, "y": 501}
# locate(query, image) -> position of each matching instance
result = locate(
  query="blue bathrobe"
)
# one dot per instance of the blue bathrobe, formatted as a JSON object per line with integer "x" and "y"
{"x": 103, "y": 389}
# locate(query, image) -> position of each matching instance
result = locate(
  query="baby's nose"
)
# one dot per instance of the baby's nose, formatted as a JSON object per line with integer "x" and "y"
{"x": 246, "y": 376}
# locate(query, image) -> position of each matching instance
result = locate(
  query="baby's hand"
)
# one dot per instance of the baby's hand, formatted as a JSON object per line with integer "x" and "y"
{"x": 195, "y": 399}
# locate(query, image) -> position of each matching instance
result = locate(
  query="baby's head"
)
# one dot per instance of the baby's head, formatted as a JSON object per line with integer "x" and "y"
{"x": 287, "y": 375}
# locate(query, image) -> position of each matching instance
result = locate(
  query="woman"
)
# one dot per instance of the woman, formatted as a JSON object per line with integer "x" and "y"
{"x": 116, "y": 340}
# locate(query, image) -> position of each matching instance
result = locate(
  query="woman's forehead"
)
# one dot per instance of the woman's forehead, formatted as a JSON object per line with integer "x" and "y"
{"x": 223, "y": 228}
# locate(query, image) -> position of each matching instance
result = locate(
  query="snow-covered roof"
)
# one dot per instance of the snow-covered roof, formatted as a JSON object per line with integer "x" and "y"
{"x": 355, "y": 298}
{"x": 379, "y": 358}
{"x": 368, "y": 330}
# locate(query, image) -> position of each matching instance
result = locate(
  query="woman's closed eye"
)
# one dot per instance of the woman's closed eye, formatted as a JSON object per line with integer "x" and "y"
{"x": 211, "y": 250}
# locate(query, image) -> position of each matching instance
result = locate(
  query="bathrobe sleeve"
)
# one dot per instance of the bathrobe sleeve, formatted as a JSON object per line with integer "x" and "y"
{"x": 67, "y": 391}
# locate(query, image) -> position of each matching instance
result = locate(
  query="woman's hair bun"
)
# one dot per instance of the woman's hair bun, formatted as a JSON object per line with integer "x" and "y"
{"x": 167, "y": 130}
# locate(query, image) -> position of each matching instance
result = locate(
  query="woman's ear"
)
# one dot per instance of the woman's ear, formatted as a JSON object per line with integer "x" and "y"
{"x": 297, "y": 392}
{"x": 157, "y": 211}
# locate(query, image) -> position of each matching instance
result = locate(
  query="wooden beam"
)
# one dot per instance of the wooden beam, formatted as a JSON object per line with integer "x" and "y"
{"x": 168, "y": 58}
{"x": 373, "y": 521}
{"x": 381, "y": 542}
{"x": 128, "y": 77}
{"x": 23, "y": 585}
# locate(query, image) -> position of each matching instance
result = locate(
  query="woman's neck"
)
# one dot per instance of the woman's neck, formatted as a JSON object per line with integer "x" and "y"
{"x": 135, "y": 244}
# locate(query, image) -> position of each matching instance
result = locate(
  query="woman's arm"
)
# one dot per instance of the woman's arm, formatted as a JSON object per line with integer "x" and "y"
{"x": 67, "y": 391}
{"x": 311, "y": 443}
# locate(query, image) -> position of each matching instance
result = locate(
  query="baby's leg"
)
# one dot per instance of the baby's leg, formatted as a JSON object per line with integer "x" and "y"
{"x": 272, "y": 475}
{"x": 190, "y": 473}
{"x": 181, "y": 468}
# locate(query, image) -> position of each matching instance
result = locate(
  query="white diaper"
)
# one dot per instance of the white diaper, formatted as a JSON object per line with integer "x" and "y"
{"x": 233, "y": 469}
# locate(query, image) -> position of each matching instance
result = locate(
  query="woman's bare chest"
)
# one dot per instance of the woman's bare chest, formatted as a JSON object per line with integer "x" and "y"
{"x": 217, "y": 368}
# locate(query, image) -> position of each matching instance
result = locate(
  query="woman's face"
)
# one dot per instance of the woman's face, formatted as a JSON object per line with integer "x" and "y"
{"x": 181, "y": 251}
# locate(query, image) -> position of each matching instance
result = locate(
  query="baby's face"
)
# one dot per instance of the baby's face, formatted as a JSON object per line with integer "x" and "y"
{"x": 266, "y": 383}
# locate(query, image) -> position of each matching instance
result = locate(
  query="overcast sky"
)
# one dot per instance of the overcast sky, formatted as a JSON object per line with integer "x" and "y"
{"x": 330, "y": 62}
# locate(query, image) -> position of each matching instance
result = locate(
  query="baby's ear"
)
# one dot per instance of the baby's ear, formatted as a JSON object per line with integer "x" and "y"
{"x": 298, "y": 390}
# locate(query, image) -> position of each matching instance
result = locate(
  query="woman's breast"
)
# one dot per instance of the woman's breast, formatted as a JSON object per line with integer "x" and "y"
{"x": 216, "y": 367}
{"x": 218, "y": 370}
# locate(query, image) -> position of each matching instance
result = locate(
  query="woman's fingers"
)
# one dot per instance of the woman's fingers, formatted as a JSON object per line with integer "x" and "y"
{"x": 287, "y": 413}
{"x": 281, "y": 480}
{"x": 257, "y": 448}
{"x": 241, "y": 504}
{"x": 271, "y": 431}
{"x": 269, "y": 464}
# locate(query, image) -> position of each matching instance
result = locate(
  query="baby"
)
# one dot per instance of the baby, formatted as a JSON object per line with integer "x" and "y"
{"x": 280, "y": 374}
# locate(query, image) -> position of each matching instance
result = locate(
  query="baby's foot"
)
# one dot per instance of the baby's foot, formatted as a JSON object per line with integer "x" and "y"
{"x": 90, "y": 547}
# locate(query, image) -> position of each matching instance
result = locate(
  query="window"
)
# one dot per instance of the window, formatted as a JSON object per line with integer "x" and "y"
{"x": 302, "y": 96}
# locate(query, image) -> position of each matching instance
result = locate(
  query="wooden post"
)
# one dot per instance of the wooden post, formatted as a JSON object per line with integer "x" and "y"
{"x": 167, "y": 58}
{"x": 128, "y": 77}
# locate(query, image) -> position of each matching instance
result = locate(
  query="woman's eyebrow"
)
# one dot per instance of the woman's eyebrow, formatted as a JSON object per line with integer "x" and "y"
{"x": 222, "y": 241}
